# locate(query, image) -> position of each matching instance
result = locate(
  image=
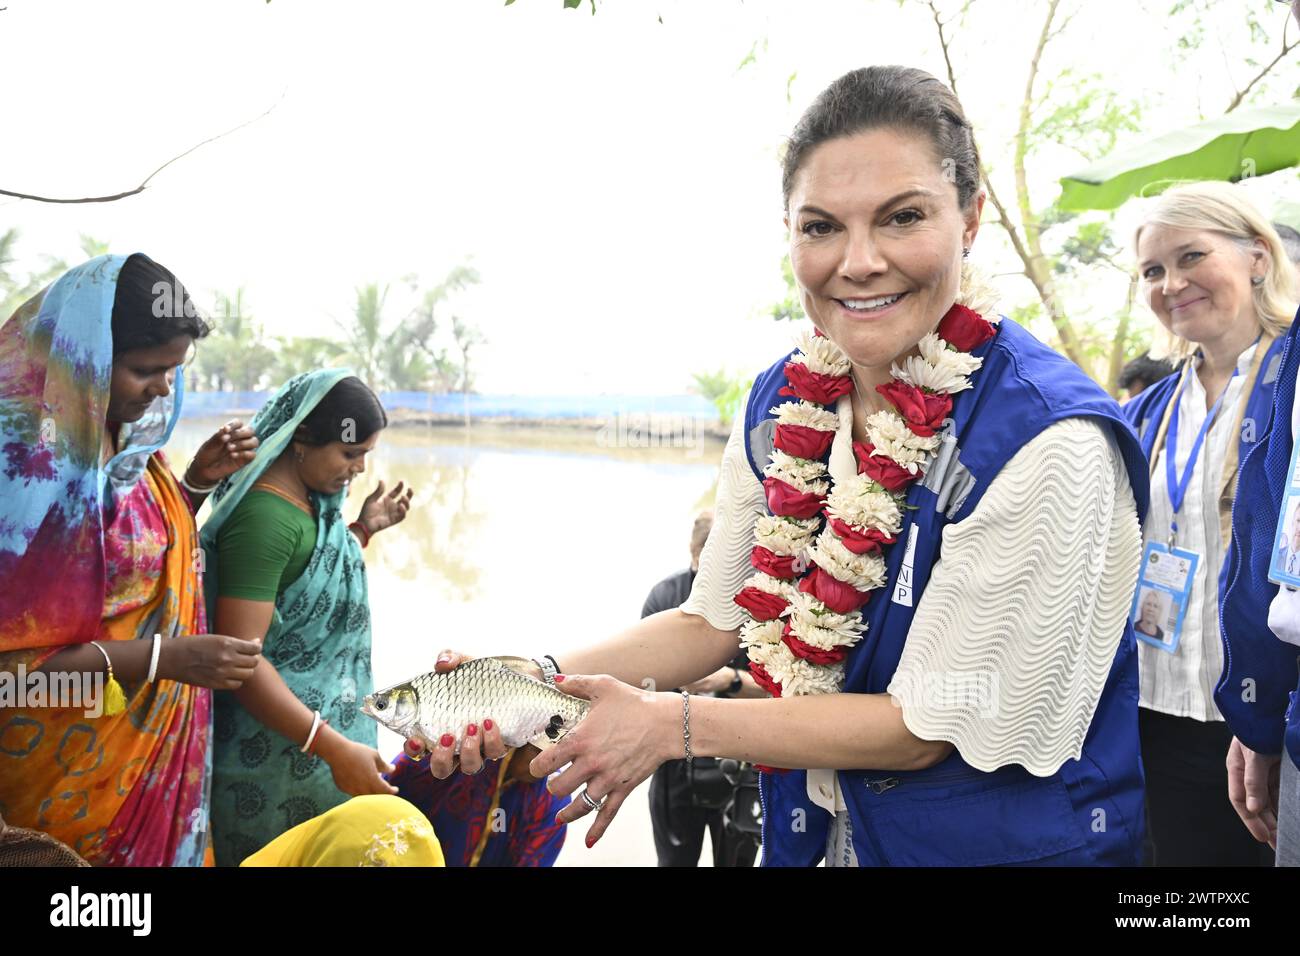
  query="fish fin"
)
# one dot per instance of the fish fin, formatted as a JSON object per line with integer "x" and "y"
{"x": 520, "y": 665}
{"x": 542, "y": 742}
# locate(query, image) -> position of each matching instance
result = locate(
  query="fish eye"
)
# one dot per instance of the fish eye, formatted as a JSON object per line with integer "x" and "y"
{"x": 381, "y": 703}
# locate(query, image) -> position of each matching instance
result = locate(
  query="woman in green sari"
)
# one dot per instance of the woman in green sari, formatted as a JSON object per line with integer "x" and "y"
{"x": 284, "y": 569}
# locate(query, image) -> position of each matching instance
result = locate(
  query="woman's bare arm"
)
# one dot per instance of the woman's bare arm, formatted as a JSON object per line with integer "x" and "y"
{"x": 665, "y": 650}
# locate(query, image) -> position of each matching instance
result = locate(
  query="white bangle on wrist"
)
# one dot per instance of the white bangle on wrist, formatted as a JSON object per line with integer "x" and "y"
{"x": 196, "y": 489}
{"x": 315, "y": 728}
{"x": 153, "y": 660}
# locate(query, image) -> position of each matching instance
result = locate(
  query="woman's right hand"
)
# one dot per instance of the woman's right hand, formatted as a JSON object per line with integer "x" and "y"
{"x": 208, "y": 660}
{"x": 1253, "y": 790}
{"x": 482, "y": 740}
{"x": 357, "y": 768}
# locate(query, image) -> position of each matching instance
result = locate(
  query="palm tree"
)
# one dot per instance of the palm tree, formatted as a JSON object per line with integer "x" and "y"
{"x": 365, "y": 337}
{"x": 235, "y": 356}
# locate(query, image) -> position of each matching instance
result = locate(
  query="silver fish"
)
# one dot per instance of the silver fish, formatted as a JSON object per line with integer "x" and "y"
{"x": 525, "y": 709}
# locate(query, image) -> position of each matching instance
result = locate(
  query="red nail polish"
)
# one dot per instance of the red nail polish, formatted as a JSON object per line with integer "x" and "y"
{"x": 473, "y": 730}
{"x": 487, "y": 724}
{"x": 447, "y": 740}
{"x": 559, "y": 678}
{"x": 590, "y": 841}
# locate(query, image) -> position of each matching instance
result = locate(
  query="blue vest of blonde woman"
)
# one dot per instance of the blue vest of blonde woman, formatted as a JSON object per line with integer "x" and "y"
{"x": 1090, "y": 811}
{"x": 1260, "y": 683}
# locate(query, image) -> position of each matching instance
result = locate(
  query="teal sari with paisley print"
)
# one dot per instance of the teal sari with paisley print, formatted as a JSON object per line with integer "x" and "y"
{"x": 318, "y": 641}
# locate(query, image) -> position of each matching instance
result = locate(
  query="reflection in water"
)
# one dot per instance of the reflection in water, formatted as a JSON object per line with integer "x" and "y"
{"x": 519, "y": 541}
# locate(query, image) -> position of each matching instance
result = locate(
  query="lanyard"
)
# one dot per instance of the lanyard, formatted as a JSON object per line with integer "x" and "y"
{"x": 1178, "y": 486}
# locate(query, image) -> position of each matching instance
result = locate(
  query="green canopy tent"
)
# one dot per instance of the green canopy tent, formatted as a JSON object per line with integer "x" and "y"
{"x": 1240, "y": 144}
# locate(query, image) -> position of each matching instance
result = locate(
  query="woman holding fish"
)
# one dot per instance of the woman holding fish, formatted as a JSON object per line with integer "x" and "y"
{"x": 285, "y": 570}
{"x": 897, "y": 545}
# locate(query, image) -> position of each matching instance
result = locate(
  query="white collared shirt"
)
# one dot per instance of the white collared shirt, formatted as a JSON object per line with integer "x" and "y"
{"x": 1182, "y": 683}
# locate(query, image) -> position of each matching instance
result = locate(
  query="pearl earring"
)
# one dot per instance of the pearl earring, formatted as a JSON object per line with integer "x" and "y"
{"x": 1256, "y": 280}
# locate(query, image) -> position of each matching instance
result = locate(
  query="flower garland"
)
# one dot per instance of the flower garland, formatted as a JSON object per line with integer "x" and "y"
{"x": 818, "y": 555}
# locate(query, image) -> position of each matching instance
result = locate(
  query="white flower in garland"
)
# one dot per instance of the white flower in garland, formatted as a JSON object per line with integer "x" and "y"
{"x": 938, "y": 368}
{"x": 765, "y": 582}
{"x": 800, "y": 473}
{"x": 891, "y": 436}
{"x": 942, "y": 355}
{"x": 796, "y": 676}
{"x": 806, "y": 414}
{"x": 861, "y": 571}
{"x": 821, "y": 355}
{"x": 788, "y": 536}
{"x": 759, "y": 634}
{"x": 859, "y": 501}
{"x": 816, "y": 624}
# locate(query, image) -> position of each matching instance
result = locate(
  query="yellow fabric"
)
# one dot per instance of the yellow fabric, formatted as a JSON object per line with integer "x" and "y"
{"x": 374, "y": 830}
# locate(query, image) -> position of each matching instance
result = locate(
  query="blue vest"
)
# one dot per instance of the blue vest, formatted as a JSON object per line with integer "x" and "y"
{"x": 1258, "y": 690}
{"x": 1090, "y": 811}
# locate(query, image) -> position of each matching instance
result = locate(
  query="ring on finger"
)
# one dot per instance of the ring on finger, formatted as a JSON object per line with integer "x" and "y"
{"x": 592, "y": 804}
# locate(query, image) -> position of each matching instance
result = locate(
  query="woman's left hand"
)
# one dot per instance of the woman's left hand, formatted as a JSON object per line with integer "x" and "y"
{"x": 623, "y": 739}
{"x": 380, "y": 511}
{"x": 230, "y": 449}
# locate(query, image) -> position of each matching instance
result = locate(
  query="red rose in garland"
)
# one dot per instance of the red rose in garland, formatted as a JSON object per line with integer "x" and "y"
{"x": 761, "y": 605}
{"x": 923, "y": 412}
{"x": 788, "y": 501}
{"x": 835, "y": 594}
{"x": 761, "y": 678}
{"x": 860, "y": 542}
{"x": 777, "y": 565}
{"x": 802, "y": 441}
{"x": 815, "y": 386}
{"x": 813, "y": 655}
{"x": 882, "y": 470}
{"x": 965, "y": 330}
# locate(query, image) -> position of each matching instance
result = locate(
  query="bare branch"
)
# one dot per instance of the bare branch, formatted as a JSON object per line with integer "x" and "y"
{"x": 943, "y": 44}
{"x": 141, "y": 188}
{"x": 1286, "y": 50}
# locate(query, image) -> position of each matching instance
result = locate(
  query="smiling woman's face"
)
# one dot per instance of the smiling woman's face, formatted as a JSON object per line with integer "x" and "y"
{"x": 1197, "y": 282}
{"x": 876, "y": 239}
{"x": 141, "y": 375}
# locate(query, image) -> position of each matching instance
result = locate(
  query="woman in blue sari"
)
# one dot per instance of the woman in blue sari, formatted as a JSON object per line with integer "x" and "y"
{"x": 287, "y": 571}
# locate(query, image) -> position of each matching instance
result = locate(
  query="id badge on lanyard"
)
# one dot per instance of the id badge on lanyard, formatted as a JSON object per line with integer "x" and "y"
{"x": 1284, "y": 566}
{"x": 1168, "y": 572}
{"x": 1164, "y": 591}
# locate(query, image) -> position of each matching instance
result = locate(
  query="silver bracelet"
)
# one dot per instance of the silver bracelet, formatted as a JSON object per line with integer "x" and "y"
{"x": 549, "y": 670}
{"x": 686, "y": 727}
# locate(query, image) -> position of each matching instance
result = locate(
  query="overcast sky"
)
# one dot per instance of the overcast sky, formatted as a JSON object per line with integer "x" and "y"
{"x": 613, "y": 178}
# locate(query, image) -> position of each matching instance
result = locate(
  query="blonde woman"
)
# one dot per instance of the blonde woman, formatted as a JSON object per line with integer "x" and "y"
{"x": 1215, "y": 274}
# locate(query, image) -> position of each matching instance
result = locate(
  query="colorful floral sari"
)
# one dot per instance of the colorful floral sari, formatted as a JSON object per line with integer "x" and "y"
{"x": 91, "y": 552}
{"x": 318, "y": 640}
